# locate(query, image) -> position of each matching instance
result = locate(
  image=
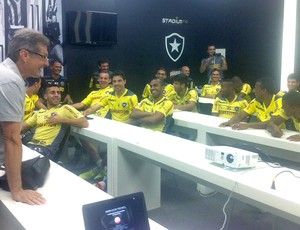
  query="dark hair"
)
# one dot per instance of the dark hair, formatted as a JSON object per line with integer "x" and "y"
{"x": 292, "y": 98}
{"x": 211, "y": 45}
{"x": 236, "y": 79}
{"x": 26, "y": 39}
{"x": 161, "y": 82}
{"x": 181, "y": 78}
{"x": 52, "y": 61}
{"x": 102, "y": 61}
{"x": 268, "y": 84}
{"x": 32, "y": 80}
{"x": 118, "y": 73}
{"x": 161, "y": 68}
{"x": 214, "y": 70}
{"x": 294, "y": 77}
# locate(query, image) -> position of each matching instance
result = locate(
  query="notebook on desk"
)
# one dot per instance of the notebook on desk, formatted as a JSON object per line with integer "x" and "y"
{"x": 125, "y": 212}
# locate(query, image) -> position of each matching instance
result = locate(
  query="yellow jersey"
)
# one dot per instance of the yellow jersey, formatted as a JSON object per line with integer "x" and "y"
{"x": 120, "y": 107}
{"x": 163, "y": 106}
{"x": 264, "y": 113}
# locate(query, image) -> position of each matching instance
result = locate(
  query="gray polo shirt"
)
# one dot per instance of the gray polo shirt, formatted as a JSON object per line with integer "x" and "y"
{"x": 12, "y": 95}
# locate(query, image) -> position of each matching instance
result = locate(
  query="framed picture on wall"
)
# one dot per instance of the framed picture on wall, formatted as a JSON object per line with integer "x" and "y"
{"x": 15, "y": 12}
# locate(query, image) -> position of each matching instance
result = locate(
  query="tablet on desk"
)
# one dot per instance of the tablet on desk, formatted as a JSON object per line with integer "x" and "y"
{"x": 125, "y": 212}
{"x": 8, "y": 220}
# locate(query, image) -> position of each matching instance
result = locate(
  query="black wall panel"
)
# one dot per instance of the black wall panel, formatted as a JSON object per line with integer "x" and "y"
{"x": 249, "y": 30}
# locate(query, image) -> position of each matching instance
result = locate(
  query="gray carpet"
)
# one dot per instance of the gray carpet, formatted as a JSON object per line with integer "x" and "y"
{"x": 183, "y": 209}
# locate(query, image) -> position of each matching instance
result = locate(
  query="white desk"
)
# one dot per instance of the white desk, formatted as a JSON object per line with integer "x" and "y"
{"x": 209, "y": 133}
{"x": 65, "y": 194}
{"x": 186, "y": 158}
{"x": 105, "y": 130}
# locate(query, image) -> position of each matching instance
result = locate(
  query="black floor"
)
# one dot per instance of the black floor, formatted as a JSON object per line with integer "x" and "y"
{"x": 183, "y": 209}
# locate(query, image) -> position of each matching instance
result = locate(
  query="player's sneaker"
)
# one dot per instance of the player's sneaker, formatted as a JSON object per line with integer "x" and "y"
{"x": 90, "y": 174}
{"x": 102, "y": 184}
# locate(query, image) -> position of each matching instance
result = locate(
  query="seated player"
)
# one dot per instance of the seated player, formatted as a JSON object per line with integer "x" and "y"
{"x": 293, "y": 82}
{"x": 31, "y": 103}
{"x": 153, "y": 113}
{"x": 211, "y": 90}
{"x": 103, "y": 67}
{"x": 264, "y": 104}
{"x": 32, "y": 99}
{"x": 242, "y": 89}
{"x": 290, "y": 110}
{"x": 185, "y": 99}
{"x": 169, "y": 91}
{"x": 120, "y": 102}
{"x": 228, "y": 104}
{"x": 96, "y": 96}
{"x": 186, "y": 71}
{"x": 93, "y": 98}
{"x": 51, "y": 123}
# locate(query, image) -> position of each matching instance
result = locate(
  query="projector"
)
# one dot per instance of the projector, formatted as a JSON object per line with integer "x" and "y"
{"x": 231, "y": 157}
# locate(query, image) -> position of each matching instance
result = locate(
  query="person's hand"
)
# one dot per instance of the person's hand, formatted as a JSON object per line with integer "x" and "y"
{"x": 295, "y": 137}
{"x": 240, "y": 126}
{"x": 225, "y": 124}
{"x": 30, "y": 197}
{"x": 274, "y": 130}
{"x": 54, "y": 119}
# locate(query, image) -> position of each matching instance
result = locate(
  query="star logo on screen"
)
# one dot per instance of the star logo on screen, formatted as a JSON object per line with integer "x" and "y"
{"x": 174, "y": 44}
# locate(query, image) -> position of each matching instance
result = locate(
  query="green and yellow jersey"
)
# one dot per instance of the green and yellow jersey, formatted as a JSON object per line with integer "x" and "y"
{"x": 227, "y": 109}
{"x": 29, "y": 105}
{"x": 264, "y": 113}
{"x": 120, "y": 107}
{"x": 169, "y": 92}
{"x": 210, "y": 90}
{"x": 190, "y": 95}
{"x": 163, "y": 106}
{"x": 95, "y": 97}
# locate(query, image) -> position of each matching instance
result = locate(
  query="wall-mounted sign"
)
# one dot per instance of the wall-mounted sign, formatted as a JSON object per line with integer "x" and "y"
{"x": 174, "y": 44}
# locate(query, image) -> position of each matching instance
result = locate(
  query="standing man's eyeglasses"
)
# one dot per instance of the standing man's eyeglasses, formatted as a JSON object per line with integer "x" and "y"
{"x": 44, "y": 57}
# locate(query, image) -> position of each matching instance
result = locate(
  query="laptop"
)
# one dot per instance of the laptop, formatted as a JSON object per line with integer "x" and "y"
{"x": 124, "y": 212}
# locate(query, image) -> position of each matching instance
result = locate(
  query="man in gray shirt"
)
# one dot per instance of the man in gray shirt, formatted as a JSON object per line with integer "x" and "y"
{"x": 27, "y": 56}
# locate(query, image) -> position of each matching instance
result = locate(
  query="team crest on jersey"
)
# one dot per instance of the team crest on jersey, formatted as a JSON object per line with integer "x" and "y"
{"x": 236, "y": 109}
{"x": 124, "y": 104}
{"x": 217, "y": 89}
{"x": 174, "y": 44}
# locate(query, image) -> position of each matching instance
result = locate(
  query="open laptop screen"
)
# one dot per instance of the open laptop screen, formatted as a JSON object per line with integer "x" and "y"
{"x": 125, "y": 212}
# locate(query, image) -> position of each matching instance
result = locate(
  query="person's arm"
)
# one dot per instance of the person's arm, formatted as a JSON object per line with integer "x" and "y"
{"x": 92, "y": 109}
{"x": 204, "y": 65}
{"x": 277, "y": 120}
{"x": 154, "y": 118}
{"x": 188, "y": 107}
{"x": 25, "y": 126}
{"x": 224, "y": 67}
{"x": 137, "y": 114}
{"x": 12, "y": 161}
{"x": 78, "y": 105}
{"x": 295, "y": 137}
{"x": 237, "y": 118}
{"x": 273, "y": 126}
{"x": 68, "y": 99}
{"x": 78, "y": 122}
